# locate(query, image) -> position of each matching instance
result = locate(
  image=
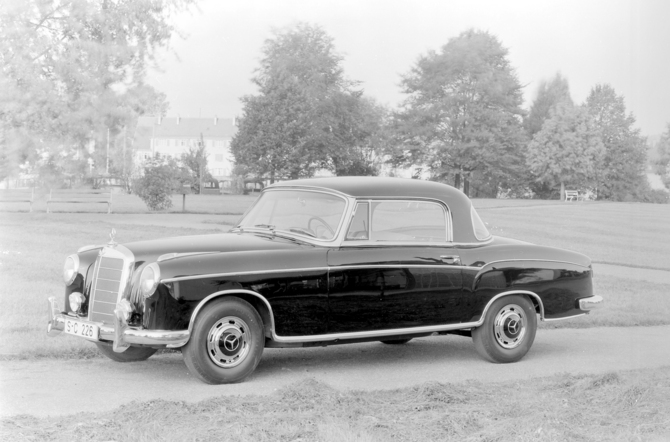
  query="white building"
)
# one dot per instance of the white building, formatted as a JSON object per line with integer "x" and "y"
{"x": 174, "y": 136}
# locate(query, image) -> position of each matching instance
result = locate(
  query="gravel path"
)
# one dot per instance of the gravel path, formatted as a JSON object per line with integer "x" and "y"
{"x": 53, "y": 387}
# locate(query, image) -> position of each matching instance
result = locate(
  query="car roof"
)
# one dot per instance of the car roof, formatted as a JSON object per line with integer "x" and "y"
{"x": 387, "y": 187}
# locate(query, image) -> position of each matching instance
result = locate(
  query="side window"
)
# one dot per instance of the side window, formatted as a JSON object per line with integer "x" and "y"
{"x": 411, "y": 221}
{"x": 359, "y": 224}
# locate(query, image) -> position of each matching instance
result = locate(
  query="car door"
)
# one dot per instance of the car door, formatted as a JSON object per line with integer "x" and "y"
{"x": 395, "y": 269}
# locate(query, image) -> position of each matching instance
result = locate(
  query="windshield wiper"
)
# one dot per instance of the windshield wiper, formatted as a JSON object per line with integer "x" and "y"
{"x": 265, "y": 226}
{"x": 302, "y": 231}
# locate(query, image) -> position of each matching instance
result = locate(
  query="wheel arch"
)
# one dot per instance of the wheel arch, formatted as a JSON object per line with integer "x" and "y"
{"x": 534, "y": 298}
{"x": 257, "y": 301}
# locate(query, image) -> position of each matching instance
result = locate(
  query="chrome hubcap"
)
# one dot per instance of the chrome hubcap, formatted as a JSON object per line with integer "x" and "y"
{"x": 228, "y": 342}
{"x": 509, "y": 326}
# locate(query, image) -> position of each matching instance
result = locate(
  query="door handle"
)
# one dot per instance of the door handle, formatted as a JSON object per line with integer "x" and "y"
{"x": 451, "y": 259}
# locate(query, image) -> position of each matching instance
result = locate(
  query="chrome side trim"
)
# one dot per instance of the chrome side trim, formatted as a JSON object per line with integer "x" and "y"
{"x": 169, "y": 256}
{"x": 374, "y": 333}
{"x": 486, "y": 266}
{"x": 315, "y": 269}
{"x": 219, "y": 275}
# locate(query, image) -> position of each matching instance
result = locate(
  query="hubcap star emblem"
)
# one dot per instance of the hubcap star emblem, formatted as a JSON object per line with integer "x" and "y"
{"x": 231, "y": 342}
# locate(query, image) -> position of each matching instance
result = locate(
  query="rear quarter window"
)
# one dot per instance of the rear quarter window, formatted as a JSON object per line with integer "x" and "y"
{"x": 481, "y": 232}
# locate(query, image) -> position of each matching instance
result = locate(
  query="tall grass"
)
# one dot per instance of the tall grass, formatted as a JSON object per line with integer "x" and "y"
{"x": 612, "y": 406}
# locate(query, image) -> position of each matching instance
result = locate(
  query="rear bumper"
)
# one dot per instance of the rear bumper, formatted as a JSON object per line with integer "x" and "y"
{"x": 590, "y": 303}
{"x": 120, "y": 334}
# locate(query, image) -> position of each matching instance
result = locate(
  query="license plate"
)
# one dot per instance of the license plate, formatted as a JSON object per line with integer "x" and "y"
{"x": 82, "y": 329}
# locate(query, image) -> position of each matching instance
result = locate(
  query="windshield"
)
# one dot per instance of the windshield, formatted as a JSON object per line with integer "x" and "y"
{"x": 306, "y": 213}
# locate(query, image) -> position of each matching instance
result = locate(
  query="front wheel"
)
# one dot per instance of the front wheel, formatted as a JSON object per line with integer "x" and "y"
{"x": 131, "y": 354}
{"x": 508, "y": 330}
{"x": 226, "y": 343}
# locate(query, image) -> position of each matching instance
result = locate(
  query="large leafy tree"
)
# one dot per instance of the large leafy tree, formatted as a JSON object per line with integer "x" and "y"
{"x": 567, "y": 150}
{"x": 662, "y": 163}
{"x": 463, "y": 111}
{"x": 549, "y": 94}
{"x": 622, "y": 175}
{"x": 306, "y": 116}
{"x": 71, "y": 71}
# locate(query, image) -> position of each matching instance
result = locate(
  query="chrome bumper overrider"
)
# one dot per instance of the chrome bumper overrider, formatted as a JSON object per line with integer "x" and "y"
{"x": 590, "y": 303}
{"x": 120, "y": 334}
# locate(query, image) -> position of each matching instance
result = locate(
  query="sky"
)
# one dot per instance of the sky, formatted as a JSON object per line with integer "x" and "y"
{"x": 624, "y": 43}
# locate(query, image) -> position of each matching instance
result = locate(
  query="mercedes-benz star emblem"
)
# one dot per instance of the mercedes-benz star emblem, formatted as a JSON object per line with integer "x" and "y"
{"x": 513, "y": 326}
{"x": 112, "y": 236}
{"x": 231, "y": 342}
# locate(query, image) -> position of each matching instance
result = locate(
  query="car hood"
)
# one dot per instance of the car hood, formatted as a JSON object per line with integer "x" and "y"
{"x": 212, "y": 243}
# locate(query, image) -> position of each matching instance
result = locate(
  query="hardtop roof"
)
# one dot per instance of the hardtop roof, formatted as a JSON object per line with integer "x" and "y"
{"x": 385, "y": 187}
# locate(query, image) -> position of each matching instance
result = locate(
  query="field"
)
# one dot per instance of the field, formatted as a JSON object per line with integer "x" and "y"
{"x": 614, "y": 406}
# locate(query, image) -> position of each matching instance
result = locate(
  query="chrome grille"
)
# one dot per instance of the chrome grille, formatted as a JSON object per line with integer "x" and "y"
{"x": 105, "y": 291}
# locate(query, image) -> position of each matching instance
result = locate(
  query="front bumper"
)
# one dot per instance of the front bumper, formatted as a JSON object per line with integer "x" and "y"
{"x": 120, "y": 334}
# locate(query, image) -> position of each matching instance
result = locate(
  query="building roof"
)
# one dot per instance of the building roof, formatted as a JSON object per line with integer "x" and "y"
{"x": 188, "y": 127}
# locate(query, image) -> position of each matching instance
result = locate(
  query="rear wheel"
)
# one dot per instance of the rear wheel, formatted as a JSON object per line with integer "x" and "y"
{"x": 226, "y": 343}
{"x": 396, "y": 341}
{"x": 131, "y": 354}
{"x": 508, "y": 330}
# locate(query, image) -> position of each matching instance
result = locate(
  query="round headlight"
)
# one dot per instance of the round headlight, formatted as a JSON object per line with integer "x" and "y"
{"x": 76, "y": 301}
{"x": 149, "y": 279}
{"x": 70, "y": 269}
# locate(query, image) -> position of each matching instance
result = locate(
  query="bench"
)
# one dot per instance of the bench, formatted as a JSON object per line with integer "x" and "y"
{"x": 18, "y": 196}
{"x": 80, "y": 196}
{"x": 572, "y": 195}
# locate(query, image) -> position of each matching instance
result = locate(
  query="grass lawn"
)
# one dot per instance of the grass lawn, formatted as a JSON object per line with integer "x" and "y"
{"x": 34, "y": 246}
{"x": 631, "y": 234}
{"x": 623, "y": 406}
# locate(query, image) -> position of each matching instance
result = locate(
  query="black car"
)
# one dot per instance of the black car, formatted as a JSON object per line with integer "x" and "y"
{"x": 319, "y": 262}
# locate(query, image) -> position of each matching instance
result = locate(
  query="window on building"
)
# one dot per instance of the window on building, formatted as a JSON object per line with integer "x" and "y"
{"x": 218, "y": 157}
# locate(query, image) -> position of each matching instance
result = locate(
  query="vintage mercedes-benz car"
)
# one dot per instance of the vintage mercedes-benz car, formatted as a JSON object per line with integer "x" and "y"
{"x": 319, "y": 262}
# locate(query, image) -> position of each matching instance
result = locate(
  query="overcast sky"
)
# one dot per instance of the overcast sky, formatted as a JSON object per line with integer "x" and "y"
{"x": 624, "y": 43}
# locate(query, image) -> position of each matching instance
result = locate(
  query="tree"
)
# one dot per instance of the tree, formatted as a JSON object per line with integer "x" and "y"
{"x": 567, "y": 149}
{"x": 463, "y": 112}
{"x": 622, "y": 174}
{"x": 662, "y": 164}
{"x": 71, "y": 71}
{"x": 307, "y": 116}
{"x": 195, "y": 160}
{"x": 549, "y": 95}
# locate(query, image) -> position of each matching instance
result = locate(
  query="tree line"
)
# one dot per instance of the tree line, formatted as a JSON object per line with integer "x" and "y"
{"x": 72, "y": 85}
{"x": 462, "y": 122}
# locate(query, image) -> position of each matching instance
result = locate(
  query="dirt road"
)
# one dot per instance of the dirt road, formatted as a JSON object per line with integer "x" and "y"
{"x": 50, "y": 387}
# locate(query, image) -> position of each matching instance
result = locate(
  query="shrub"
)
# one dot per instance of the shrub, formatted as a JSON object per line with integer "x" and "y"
{"x": 157, "y": 184}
